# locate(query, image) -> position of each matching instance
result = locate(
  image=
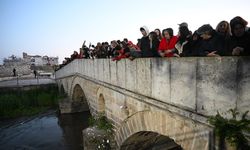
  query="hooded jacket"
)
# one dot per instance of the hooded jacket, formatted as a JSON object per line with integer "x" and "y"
{"x": 243, "y": 41}
{"x": 145, "y": 44}
{"x": 215, "y": 43}
{"x": 167, "y": 45}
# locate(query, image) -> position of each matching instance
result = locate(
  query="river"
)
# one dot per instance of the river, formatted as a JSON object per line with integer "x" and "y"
{"x": 48, "y": 131}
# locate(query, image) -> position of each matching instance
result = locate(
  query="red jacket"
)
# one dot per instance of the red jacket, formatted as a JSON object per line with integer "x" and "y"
{"x": 121, "y": 55}
{"x": 167, "y": 45}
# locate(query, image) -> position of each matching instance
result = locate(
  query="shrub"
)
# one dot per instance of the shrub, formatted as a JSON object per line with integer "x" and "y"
{"x": 232, "y": 130}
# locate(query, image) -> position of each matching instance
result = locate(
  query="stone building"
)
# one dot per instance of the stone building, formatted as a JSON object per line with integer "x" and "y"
{"x": 38, "y": 60}
{"x": 26, "y": 65}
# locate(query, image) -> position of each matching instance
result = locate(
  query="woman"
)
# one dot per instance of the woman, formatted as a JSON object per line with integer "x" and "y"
{"x": 183, "y": 45}
{"x": 158, "y": 33}
{"x": 115, "y": 48}
{"x": 154, "y": 44}
{"x": 223, "y": 29}
{"x": 167, "y": 44}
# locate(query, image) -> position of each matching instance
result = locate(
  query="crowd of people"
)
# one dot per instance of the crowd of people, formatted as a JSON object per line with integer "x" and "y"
{"x": 228, "y": 39}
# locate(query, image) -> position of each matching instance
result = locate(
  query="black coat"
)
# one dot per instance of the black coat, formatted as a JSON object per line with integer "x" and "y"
{"x": 215, "y": 43}
{"x": 191, "y": 48}
{"x": 243, "y": 42}
{"x": 145, "y": 47}
{"x": 154, "y": 48}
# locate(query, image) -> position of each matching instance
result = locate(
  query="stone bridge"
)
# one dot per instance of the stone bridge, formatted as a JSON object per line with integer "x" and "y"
{"x": 155, "y": 97}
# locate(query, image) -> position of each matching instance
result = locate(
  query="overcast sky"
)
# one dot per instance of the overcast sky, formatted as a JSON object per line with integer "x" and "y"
{"x": 58, "y": 27}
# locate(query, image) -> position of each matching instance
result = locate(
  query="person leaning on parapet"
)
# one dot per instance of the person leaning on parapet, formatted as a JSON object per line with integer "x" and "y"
{"x": 84, "y": 52}
{"x": 239, "y": 42}
{"x": 115, "y": 48}
{"x": 145, "y": 43}
{"x": 123, "y": 53}
{"x": 100, "y": 51}
{"x": 211, "y": 44}
{"x": 134, "y": 50}
{"x": 184, "y": 43}
{"x": 158, "y": 33}
{"x": 73, "y": 56}
{"x": 223, "y": 29}
{"x": 107, "y": 49}
{"x": 154, "y": 44}
{"x": 167, "y": 44}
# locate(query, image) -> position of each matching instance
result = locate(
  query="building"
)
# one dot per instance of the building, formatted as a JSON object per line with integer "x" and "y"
{"x": 37, "y": 60}
{"x": 26, "y": 65}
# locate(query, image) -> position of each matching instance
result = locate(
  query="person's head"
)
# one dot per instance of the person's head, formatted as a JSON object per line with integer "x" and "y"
{"x": 183, "y": 32}
{"x": 144, "y": 31}
{"x": 124, "y": 44}
{"x": 183, "y": 24}
{"x": 114, "y": 43}
{"x": 205, "y": 31}
{"x": 152, "y": 35}
{"x": 106, "y": 43}
{"x": 238, "y": 26}
{"x": 195, "y": 36}
{"x": 158, "y": 32}
{"x": 125, "y": 40}
{"x": 168, "y": 33}
{"x": 99, "y": 44}
{"x": 224, "y": 28}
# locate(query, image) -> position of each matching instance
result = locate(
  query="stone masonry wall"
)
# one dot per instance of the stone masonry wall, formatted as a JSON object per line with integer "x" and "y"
{"x": 21, "y": 69}
{"x": 202, "y": 86}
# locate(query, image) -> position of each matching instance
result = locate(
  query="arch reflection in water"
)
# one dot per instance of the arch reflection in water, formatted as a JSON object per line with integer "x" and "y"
{"x": 72, "y": 126}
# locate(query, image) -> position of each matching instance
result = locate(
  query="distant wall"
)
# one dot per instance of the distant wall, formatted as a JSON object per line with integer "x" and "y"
{"x": 21, "y": 69}
{"x": 201, "y": 85}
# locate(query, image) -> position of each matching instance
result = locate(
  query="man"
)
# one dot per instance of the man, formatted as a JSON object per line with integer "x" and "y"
{"x": 35, "y": 73}
{"x": 14, "y": 72}
{"x": 145, "y": 43}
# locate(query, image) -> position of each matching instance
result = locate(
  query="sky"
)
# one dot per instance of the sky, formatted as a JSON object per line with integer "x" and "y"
{"x": 59, "y": 27}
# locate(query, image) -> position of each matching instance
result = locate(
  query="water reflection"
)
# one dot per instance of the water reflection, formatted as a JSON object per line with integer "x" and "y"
{"x": 49, "y": 131}
{"x": 72, "y": 126}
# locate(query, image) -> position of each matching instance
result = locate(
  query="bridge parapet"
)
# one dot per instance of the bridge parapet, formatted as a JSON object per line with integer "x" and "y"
{"x": 200, "y": 85}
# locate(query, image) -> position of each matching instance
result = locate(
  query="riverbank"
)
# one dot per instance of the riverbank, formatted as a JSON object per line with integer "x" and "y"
{"x": 19, "y": 102}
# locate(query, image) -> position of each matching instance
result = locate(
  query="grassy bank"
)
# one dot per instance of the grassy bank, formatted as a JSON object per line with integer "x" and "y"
{"x": 25, "y": 102}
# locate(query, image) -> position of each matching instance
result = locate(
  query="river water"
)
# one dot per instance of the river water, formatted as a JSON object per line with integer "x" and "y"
{"x": 48, "y": 131}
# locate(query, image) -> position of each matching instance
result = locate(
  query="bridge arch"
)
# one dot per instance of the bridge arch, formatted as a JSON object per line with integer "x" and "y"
{"x": 78, "y": 96}
{"x": 149, "y": 140}
{"x": 184, "y": 132}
